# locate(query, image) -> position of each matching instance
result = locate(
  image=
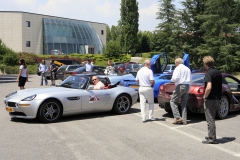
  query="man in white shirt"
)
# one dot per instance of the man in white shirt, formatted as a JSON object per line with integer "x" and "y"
{"x": 182, "y": 78}
{"x": 97, "y": 84}
{"x": 89, "y": 66}
{"x": 146, "y": 81}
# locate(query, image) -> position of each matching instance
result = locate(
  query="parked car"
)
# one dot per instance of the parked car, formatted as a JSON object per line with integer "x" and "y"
{"x": 159, "y": 80}
{"x": 73, "y": 96}
{"x": 169, "y": 68}
{"x": 58, "y": 63}
{"x": 64, "y": 71}
{"x": 96, "y": 69}
{"x": 133, "y": 67}
{"x": 230, "y": 89}
{"x": 158, "y": 64}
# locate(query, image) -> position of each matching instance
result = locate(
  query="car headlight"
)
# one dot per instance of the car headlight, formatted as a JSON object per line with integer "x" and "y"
{"x": 30, "y": 98}
{"x": 11, "y": 94}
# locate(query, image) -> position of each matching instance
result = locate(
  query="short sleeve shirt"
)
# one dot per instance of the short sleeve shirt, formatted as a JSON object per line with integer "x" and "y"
{"x": 144, "y": 75}
{"x": 99, "y": 85}
{"x": 89, "y": 67}
{"x": 24, "y": 71}
{"x": 215, "y": 77}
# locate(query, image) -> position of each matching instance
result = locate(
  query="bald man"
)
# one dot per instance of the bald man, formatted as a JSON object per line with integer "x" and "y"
{"x": 97, "y": 84}
{"x": 182, "y": 78}
{"x": 146, "y": 81}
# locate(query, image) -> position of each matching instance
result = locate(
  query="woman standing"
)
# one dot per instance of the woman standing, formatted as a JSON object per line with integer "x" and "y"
{"x": 22, "y": 75}
{"x": 43, "y": 69}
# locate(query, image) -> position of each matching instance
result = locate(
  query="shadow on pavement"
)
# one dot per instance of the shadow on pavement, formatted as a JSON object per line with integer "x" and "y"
{"x": 76, "y": 117}
{"x": 225, "y": 140}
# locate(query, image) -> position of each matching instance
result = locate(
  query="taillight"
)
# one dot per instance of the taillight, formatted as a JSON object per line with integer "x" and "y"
{"x": 200, "y": 90}
{"x": 161, "y": 88}
{"x": 73, "y": 73}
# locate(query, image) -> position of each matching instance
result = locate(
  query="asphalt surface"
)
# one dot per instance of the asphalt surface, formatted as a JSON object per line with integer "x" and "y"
{"x": 107, "y": 136}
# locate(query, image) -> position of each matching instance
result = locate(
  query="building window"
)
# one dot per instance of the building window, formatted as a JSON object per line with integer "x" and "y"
{"x": 27, "y": 23}
{"x": 102, "y": 32}
{"x": 28, "y": 44}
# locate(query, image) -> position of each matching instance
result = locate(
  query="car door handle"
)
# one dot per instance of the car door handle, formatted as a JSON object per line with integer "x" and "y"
{"x": 73, "y": 98}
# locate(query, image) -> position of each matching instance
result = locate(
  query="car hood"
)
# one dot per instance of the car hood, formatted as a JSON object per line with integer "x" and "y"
{"x": 21, "y": 94}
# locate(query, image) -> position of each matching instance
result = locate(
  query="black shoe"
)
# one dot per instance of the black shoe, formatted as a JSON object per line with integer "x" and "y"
{"x": 209, "y": 142}
{"x": 206, "y": 138}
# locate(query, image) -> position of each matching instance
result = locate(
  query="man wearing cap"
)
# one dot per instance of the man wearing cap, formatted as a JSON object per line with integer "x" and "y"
{"x": 89, "y": 66}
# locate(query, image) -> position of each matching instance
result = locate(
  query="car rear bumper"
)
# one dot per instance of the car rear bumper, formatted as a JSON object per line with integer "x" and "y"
{"x": 195, "y": 104}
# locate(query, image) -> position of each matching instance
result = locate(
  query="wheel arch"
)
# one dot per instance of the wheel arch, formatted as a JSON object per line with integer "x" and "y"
{"x": 50, "y": 99}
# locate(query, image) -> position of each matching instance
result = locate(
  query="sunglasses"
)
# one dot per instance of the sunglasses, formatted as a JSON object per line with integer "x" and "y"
{"x": 94, "y": 79}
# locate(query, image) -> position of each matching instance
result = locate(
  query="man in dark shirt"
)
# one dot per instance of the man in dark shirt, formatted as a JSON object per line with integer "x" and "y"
{"x": 212, "y": 95}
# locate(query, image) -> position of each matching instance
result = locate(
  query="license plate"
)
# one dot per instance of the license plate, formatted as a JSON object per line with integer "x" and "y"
{"x": 134, "y": 86}
{"x": 9, "y": 109}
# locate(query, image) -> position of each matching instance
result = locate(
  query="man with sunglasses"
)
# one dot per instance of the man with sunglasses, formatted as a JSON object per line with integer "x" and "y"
{"x": 97, "y": 84}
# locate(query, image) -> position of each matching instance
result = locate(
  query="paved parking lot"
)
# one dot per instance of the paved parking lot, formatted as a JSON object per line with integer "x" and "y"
{"x": 108, "y": 136}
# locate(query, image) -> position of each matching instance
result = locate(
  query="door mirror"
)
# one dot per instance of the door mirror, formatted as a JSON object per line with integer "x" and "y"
{"x": 90, "y": 87}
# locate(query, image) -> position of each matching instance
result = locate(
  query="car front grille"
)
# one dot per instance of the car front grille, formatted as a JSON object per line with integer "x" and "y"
{"x": 11, "y": 104}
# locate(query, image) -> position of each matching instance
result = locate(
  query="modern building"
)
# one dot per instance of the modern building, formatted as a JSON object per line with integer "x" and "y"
{"x": 44, "y": 34}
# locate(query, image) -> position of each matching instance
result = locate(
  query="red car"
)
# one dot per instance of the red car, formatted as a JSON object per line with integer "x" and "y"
{"x": 230, "y": 100}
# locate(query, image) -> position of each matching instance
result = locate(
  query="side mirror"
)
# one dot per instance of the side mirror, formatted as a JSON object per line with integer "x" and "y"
{"x": 90, "y": 87}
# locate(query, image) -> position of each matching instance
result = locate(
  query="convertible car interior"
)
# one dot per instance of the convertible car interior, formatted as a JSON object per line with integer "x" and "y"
{"x": 106, "y": 83}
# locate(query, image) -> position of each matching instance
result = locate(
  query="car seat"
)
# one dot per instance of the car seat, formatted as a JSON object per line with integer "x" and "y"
{"x": 107, "y": 83}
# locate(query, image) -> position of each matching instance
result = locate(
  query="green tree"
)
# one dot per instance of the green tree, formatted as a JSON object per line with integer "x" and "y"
{"x": 113, "y": 49}
{"x": 144, "y": 41}
{"x": 164, "y": 38}
{"x": 221, "y": 19}
{"x": 191, "y": 34}
{"x": 129, "y": 23}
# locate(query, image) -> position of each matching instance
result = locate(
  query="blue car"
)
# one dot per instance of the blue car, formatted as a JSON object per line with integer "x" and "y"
{"x": 160, "y": 78}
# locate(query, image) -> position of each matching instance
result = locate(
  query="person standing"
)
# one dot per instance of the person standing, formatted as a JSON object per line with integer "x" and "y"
{"x": 146, "y": 81}
{"x": 23, "y": 74}
{"x": 109, "y": 68}
{"x": 89, "y": 66}
{"x": 53, "y": 69}
{"x": 182, "y": 78}
{"x": 212, "y": 95}
{"x": 43, "y": 69}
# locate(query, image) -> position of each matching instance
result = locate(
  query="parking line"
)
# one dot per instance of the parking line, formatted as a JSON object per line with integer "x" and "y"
{"x": 194, "y": 137}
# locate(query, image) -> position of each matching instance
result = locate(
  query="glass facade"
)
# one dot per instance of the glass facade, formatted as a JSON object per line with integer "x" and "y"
{"x": 70, "y": 36}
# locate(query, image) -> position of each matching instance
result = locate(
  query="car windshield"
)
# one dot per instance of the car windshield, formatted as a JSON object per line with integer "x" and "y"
{"x": 198, "y": 78}
{"x": 129, "y": 66}
{"x": 71, "y": 68}
{"x": 75, "y": 82}
{"x": 136, "y": 65}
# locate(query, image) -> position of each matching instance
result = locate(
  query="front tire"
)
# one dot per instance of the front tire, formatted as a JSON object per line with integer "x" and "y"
{"x": 223, "y": 108}
{"x": 122, "y": 104}
{"x": 50, "y": 111}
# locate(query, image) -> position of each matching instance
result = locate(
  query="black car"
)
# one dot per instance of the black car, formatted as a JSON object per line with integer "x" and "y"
{"x": 64, "y": 71}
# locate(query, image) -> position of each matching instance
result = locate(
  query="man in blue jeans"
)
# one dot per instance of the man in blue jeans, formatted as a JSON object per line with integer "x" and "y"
{"x": 212, "y": 95}
{"x": 182, "y": 78}
{"x": 43, "y": 69}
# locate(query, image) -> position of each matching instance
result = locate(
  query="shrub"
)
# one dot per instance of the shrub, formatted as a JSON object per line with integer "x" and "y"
{"x": 10, "y": 59}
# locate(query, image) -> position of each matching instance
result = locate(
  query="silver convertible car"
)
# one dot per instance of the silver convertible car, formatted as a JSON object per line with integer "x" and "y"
{"x": 74, "y": 95}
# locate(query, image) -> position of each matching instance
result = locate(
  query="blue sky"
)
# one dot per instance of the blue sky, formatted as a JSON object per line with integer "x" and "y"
{"x": 103, "y": 11}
